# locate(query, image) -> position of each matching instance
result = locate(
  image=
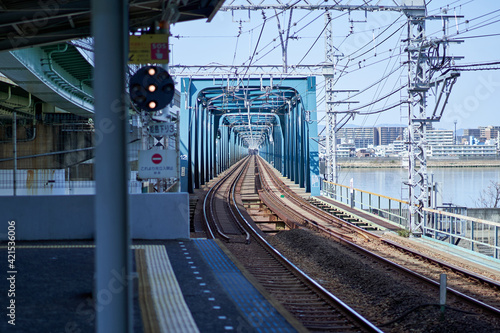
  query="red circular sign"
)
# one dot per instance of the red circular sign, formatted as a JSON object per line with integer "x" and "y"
{"x": 156, "y": 158}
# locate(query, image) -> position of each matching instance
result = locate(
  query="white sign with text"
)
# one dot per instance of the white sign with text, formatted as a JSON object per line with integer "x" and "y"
{"x": 157, "y": 164}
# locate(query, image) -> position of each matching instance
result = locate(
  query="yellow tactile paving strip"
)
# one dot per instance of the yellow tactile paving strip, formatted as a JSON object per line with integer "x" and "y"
{"x": 172, "y": 312}
{"x": 148, "y": 313}
{"x": 82, "y": 246}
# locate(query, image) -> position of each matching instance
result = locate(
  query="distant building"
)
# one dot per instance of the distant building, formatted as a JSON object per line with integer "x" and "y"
{"x": 439, "y": 137}
{"x": 387, "y": 135}
{"x": 491, "y": 132}
{"x": 346, "y": 150}
{"x": 399, "y": 146}
{"x": 364, "y": 152}
{"x": 361, "y": 137}
{"x": 475, "y": 132}
{"x": 462, "y": 151}
{"x": 482, "y": 131}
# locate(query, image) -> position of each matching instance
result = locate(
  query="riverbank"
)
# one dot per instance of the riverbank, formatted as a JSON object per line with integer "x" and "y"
{"x": 389, "y": 162}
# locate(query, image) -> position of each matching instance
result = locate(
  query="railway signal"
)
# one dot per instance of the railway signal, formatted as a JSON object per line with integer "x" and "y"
{"x": 151, "y": 88}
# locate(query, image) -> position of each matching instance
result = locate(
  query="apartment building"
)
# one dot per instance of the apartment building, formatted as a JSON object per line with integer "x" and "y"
{"x": 439, "y": 137}
{"x": 388, "y": 134}
{"x": 360, "y": 137}
{"x": 465, "y": 151}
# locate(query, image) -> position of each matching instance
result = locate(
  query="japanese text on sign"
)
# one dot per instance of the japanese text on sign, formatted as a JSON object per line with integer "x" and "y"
{"x": 162, "y": 129}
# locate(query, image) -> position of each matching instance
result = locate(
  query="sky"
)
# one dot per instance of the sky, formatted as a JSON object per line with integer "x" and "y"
{"x": 369, "y": 53}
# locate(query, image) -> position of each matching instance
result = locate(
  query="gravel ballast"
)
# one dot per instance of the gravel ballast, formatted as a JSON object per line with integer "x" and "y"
{"x": 389, "y": 298}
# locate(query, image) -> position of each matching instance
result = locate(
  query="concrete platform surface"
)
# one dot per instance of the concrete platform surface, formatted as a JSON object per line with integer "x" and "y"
{"x": 179, "y": 286}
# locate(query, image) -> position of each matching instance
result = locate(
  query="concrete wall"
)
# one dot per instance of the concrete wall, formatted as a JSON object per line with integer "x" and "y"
{"x": 488, "y": 214}
{"x": 152, "y": 216}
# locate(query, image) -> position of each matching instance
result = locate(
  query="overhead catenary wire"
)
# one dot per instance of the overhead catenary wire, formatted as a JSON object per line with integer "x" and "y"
{"x": 373, "y": 102}
{"x": 262, "y": 52}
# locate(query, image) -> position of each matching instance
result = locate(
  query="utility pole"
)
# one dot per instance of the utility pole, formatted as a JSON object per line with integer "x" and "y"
{"x": 417, "y": 119}
{"x": 422, "y": 67}
{"x": 455, "y": 133}
{"x": 331, "y": 116}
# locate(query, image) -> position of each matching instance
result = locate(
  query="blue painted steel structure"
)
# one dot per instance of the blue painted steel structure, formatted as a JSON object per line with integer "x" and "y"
{"x": 222, "y": 118}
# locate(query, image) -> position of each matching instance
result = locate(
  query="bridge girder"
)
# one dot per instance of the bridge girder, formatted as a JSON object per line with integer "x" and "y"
{"x": 222, "y": 119}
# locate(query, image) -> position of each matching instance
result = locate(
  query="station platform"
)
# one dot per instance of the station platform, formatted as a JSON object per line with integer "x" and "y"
{"x": 179, "y": 286}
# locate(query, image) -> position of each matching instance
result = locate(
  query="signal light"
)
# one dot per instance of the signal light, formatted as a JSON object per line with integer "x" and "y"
{"x": 151, "y": 88}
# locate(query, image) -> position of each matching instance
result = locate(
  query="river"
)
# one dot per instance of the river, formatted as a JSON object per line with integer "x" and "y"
{"x": 460, "y": 186}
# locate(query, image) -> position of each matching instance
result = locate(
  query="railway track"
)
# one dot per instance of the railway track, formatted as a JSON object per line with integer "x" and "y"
{"x": 465, "y": 285}
{"x": 219, "y": 209}
{"x": 313, "y": 306}
{"x": 294, "y": 209}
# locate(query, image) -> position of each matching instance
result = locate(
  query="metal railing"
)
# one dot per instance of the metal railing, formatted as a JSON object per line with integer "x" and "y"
{"x": 391, "y": 209}
{"x": 466, "y": 232}
{"x": 469, "y": 233}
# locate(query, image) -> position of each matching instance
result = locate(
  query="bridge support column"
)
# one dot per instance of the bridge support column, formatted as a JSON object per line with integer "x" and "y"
{"x": 210, "y": 147}
{"x": 293, "y": 139}
{"x": 302, "y": 148}
{"x": 202, "y": 143}
{"x": 185, "y": 135}
{"x": 312, "y": 175}
{"x": 288, "y": 141}
{"x": 196, "y": 146}
{"x": 279, "y": 149}
{"x": 225, "y": 143}
{"x": 296, "y": 143}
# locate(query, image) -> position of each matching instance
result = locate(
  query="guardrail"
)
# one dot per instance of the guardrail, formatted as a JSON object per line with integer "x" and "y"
{"x": 390, "y": 209}
{"x": 467, "y": 232}
{"x": 470, "y": 233}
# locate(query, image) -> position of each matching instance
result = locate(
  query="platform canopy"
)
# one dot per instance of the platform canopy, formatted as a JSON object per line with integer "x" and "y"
{"x": 25, "y": 23}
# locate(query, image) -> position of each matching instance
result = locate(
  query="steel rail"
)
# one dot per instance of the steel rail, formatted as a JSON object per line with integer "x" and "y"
{"x": 428, "y": 281}
{"x": 315, "y": 210}
{"x": 208, "y": 205}
{"x": 233, "y": 207}
{"x": 312, "y": 284}
{"x": 453, "y": 268}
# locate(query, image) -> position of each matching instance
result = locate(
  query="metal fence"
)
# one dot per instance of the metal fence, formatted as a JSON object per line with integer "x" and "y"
{"x": 390, "y": 209}
{"x": 469, "y": 233}
{"x": 53, "y": 154}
